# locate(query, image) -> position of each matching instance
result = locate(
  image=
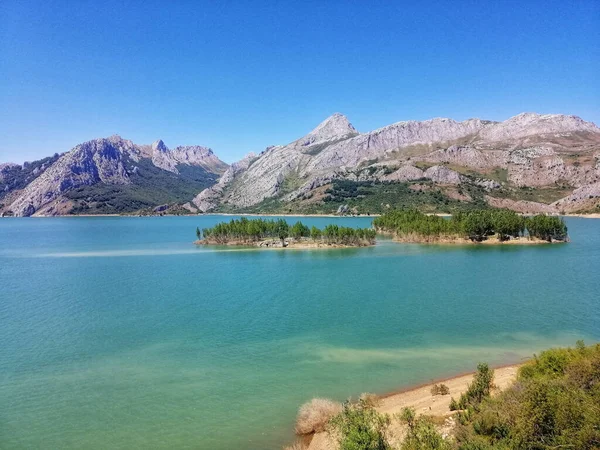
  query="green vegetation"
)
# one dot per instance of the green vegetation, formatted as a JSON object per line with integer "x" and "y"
{"x": 479, "y": 389}
{"x": 377, "y": 197}
{"x": 151, "y": 186}
{"x": 544, "y": 195}
{"x": 555, "y": 403}
{"x": 476, "y": 225}
{"x": 18, "y": 177}
{"x": 370, "y": 197}
{"x": 547, "y": 227}
{"x": 421, "y": 433}
{"x": 359, "y": 426}
{"x": 254, "y": 230}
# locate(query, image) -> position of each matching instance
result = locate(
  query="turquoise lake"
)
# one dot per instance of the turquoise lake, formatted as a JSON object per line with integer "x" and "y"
{"x": 120, "y": 333}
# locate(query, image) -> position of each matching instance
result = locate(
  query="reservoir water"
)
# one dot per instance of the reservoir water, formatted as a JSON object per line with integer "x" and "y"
{"x": 120, "y": 333}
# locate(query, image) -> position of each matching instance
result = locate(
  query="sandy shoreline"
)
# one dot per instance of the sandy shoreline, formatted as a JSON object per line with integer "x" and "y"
{"x": 420, "y": 398}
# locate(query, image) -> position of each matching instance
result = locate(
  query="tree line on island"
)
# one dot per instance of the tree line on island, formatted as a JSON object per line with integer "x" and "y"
{"x": 251, "y": 231}
{"x": 477, "y": 226}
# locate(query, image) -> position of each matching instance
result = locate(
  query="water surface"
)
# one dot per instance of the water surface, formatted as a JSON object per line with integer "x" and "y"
{"x": 120, "y": 333}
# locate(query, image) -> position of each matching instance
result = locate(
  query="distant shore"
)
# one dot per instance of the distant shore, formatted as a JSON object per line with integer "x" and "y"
{"x": 585, "y": 216}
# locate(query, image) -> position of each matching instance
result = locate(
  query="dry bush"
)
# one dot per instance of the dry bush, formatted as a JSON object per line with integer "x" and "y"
{"x": 371, "y": 400}
{"x": 314, "y": 415}
{"x": 440, "y": 389}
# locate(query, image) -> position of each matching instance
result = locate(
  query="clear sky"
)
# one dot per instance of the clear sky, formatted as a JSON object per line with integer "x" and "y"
{"x": 239, "y": 76}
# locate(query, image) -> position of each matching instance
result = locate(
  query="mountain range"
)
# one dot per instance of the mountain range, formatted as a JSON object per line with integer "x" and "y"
{"x": 529, "y": 163}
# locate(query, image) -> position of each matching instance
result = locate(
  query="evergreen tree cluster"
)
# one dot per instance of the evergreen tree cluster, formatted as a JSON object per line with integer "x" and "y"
{"x": 476, "y": 225}
{"x": 254, "y": 230}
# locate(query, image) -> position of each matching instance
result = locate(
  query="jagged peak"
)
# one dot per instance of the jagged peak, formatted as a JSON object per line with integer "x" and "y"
{"x": 159, "y": 145}
{"x": 335, "y": 125}
{"x": 200, "y": 148}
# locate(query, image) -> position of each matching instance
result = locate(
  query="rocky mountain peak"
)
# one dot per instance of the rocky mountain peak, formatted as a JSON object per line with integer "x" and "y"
{"x": 160, "y": 146}
{"x": 336, "y": 125}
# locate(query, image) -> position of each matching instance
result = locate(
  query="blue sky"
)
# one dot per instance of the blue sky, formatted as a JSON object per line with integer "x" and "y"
{"x": 239, "y": 76}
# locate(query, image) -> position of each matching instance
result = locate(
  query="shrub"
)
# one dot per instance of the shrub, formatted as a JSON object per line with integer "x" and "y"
{"x": 478, "y": 389}
{"x": 370, "y": 399}
{"x": 421, "y": 434}
{"x": 360, "y": 426}
{"x": 314, "y": 415}
{"x": 454, "y": 405}
{"x": 554, "y": 404}
{"x": 440, "y": 389}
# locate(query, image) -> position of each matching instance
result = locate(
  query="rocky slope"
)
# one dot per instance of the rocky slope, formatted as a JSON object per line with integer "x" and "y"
{"x": 530, "y": 163}
{"x": 553, "y": 154}
{"x": 114, "y": 162}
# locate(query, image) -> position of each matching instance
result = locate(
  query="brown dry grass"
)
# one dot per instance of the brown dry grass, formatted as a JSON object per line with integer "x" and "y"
{"x": 370, "y": 399}
{"x": 314, "y": 415}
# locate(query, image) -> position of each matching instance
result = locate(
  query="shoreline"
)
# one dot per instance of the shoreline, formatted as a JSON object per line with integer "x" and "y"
{"x": 420, "y": 398}
{"x": 445, "y": 379}
{"x": 291, "y": 245}
{"x": 457, "y": 240}
{"x": 463, "y": 241}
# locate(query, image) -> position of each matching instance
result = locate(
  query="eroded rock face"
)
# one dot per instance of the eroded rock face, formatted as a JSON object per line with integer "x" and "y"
{"x": 542, "y": 166}
{"x": 334, "y": 149}
{"x": 209, "y": 198}
{"x": 330, "y": 129}
{"x": 468, "y": 156}
{"x": 192, "y": 155}
{"x": 585, "y": 197}
{"x": 405, "y": 173}
{"x": 443, "y": 175}
{"x": 101, "y": 161}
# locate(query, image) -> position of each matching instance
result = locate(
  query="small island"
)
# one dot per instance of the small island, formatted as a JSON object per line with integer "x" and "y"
{"x": 487, "y": 226}
{"x": 279, "y": 234}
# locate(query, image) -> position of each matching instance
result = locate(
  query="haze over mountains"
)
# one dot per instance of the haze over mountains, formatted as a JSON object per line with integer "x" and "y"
{"x": 529, "y": 163}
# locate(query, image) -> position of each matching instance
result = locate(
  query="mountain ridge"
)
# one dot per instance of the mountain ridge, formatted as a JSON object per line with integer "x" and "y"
{"x": 530, "y": 162}
{"x": 112, "y": 161}
{"x": 297, "y": 169}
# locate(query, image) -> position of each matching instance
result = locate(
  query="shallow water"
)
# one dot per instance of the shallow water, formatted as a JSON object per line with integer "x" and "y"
{"x": 120, "y": 333}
